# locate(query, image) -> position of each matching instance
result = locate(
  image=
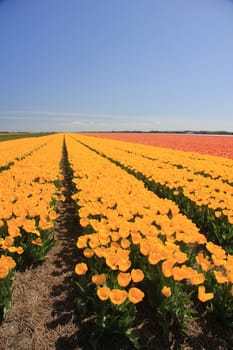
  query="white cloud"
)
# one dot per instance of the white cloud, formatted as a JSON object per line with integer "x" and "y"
{"x": 48, "y": 115}
{"x": 78, "y": 121}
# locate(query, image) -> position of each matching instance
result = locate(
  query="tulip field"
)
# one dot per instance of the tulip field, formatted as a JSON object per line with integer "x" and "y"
{"x": 27, "y": 197}
{"x": 155, "y": 228}
{"x": 203, "y": 143}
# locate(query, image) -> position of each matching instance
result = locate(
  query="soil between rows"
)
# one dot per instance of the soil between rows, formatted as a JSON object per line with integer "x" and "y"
{"x": 42, "y": 314}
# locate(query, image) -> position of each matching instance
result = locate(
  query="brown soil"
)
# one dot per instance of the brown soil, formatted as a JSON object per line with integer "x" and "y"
{"x": 42, "y": 314}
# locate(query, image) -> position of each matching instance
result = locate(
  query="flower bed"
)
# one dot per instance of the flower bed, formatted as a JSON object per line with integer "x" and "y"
{"x": 138, "y": 248}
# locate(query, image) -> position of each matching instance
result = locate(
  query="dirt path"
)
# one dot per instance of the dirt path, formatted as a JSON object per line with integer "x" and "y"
{"x": 43, "y": 313}
{"x": 42, "y": 316}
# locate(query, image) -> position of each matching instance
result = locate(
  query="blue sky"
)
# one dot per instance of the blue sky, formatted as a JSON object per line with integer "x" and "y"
{"x": 116, "y": 65}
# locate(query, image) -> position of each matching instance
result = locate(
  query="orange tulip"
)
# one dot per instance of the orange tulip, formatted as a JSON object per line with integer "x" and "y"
{"x": 118, "y": 296}
{"x": 103, "y": 293}
{"x": 123, "y": 279}
{"x": 37, "y": 242}
{"x": 220, "y": 278}
{"x": 203, "y": 296}
{"x": 137, "y": 275}
{"x": 135, "y": 295}
{"x": 166, "y": 291}
{"x": 3, "y": 271}
{"x": 88, "y": 253}
{"x": 81, "y": 268}
{"x": 98, "y": 279}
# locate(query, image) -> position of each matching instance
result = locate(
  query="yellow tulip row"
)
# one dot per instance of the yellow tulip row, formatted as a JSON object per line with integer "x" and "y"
{"x": 202, "y": 190}
{"x": 118, "y": 213}
{"x": 26, "y": 191}
{"x": 216, "y": 167}
{"x": 17, "y": 149}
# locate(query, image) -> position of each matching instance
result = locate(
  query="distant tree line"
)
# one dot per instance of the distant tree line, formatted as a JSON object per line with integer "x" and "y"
{"x": 204, "y": 132}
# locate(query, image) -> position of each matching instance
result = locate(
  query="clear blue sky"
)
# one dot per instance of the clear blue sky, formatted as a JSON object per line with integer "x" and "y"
{"x": 74, "y": 65}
